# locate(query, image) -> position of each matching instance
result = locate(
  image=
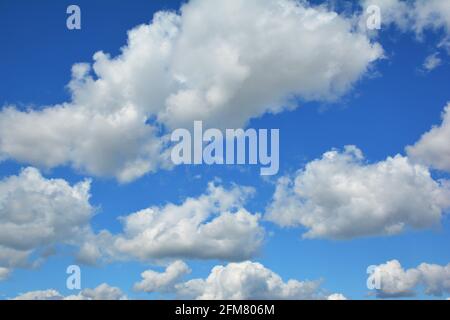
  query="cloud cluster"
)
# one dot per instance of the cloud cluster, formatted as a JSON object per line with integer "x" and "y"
{"x": 37, "y": 213}
{"x": 340, "y": 196}
{"x": 245, "y": 281}
{"x": 102, "y": 292}
{"x": 214, "y": 225}
{"x": 235, "y": 281}
{"x": 223, "y": 62}
{"x": 398, "y": 282}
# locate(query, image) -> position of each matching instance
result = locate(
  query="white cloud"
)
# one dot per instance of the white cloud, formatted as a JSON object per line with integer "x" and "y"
{"x": 392, "y": 11}
{"x": 432, "y": 14}
{"x": 436, "y": 278}
{"x": 162, "y": 281}
{"x": 244, "y": 281}
{"x": 398, "y": 282}
{"x": 415, "y": 15}
{"x": 336, "y": 296}
{"x": 223, "y": 62}
{"x": 418, "y": 17}
{"x": 395, "y": 281}
{"x": 340, "y": 196}
{"x": 4, "y": 273}
{"x": 214, "y": 225}
{"x": 256, "y": 54}
{"x": 432, "y": 62}
{"x": 433, "y": 148}
{"x": 36, "y": 213}
{"x": 249, "y": 280}
{"x": 49, "y": 294}
{"x": 116, "y": 143}
{"x": 102, "y": 292}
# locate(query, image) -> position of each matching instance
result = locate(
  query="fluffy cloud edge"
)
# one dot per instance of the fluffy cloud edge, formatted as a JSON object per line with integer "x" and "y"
{"x": 245, "y": 280}
{"x": 111, "y": 126}
{"x": 433, "y": 149}
{"x": 101, "y": 292}
{"x": 36, "y": 214}
{"x": 214, "y": 225}
{"x": 397, "y": 282}
{"x": 341, "y": 196}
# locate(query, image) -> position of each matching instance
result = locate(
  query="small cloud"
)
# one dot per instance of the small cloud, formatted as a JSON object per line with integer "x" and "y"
{"x": 432, "y": 62}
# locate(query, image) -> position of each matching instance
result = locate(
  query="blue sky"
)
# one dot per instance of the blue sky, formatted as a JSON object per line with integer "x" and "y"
{"x": 387, "y": 109}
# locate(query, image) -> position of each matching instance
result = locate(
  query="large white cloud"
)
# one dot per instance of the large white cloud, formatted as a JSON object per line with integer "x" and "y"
{"x": 102, "y": 292}
{"x": 395, "y": 281}
{"x": 250, "y": 280}
{"x": 114, "y": 144}
{"x": 37, "y": 213}
{"x": 214, "y": 225}
{"x": 223, "y": 62}
{"x": 433, "y": 149}
{"x": 340, "y": 196}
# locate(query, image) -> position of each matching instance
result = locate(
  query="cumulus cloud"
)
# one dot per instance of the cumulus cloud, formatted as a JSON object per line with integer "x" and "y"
{"x": 116, "y": 143}
{"x": 214, "y": 225}
{"x": 433, "y": 148}
{"x": 235, "y": 281}
{"x": 102, "y": 292}
{"x": 223, "y": 62}
{"x": 341, "y": 196}
{"x": 37, "y": 213}
{"x": 153, "y": 281}
{"x": 248, "y": 281}
{"x": 395, "y": 281}
{"x": 256, "y": 54}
